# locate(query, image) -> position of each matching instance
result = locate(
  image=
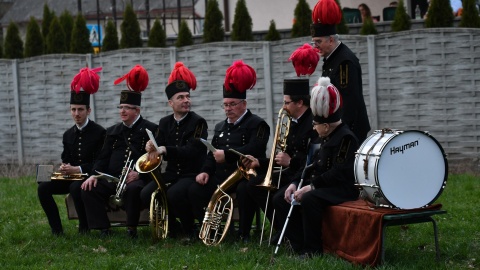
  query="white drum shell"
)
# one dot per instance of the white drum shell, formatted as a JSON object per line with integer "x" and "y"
{"x": 406, "y": 169}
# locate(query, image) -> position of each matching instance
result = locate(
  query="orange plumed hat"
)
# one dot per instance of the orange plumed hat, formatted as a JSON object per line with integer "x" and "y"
{"x": 137, "y": 82}
{"x": 87, "y": 80}
{"x": 181, "y": 79}
{"x": 325, "y": 16}
{"x": 239, "y": 78}
{"x": 304, "y": 60}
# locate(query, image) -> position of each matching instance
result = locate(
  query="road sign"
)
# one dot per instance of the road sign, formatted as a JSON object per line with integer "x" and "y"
{"x": 95, "y": 35}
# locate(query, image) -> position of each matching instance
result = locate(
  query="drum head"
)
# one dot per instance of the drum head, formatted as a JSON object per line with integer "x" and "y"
{"x": 412, "y": 170}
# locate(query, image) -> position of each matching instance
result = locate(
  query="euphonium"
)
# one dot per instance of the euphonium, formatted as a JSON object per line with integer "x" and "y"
{"x": 218, "y": 214}
{"x": 279, "y": 145}
{"x": 122, "y": 184}
{"x": 158, "y": 203}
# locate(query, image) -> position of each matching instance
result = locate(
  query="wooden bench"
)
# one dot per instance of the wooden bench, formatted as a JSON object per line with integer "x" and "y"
{"x": 356, "y": 230}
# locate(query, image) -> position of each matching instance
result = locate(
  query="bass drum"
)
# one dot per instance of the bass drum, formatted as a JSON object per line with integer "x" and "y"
{"x": 401, "y": 169}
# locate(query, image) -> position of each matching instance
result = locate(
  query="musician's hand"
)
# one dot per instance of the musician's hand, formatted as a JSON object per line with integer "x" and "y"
{"x": 149, "y": 147}
{"x": 219, "y": 156}
{"x": 202, "y": 178}
{"x": 282, "y": 159}
{"x": 152, "y": 156}
{"x": 90, "y": 183}
{"x": 66, "y": 169}
{"x": 132, "y": 176}
{"x": 297, "y": 195}
{"x": 162, "y": 150}
{"x": 250, "y": 162}
{"x": 290, "y": 190}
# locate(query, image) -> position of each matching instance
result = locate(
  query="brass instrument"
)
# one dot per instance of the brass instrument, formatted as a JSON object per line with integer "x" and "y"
{"x": 71, "y": 177}
{"x": 122, "y": 184}
{"x": 279, "y": 145}
{"x": 158, "y": 203}
{"x": 218, "y": 214}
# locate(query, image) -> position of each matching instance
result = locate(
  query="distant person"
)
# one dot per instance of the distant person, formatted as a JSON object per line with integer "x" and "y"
{"x": 365, "y": 12}
{"x": 393, "y": 4}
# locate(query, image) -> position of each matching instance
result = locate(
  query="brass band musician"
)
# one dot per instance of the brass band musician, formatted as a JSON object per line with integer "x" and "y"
{"x": 122, "y": 138}
{"x": 81, "y": 146}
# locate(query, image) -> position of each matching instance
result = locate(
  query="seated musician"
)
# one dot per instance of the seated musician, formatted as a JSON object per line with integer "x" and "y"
{"x": 178, "y": 137}
{"x": 330, "y": 180}
{"x": 242, "y": 131}
{"x": 128, "y": 136}
{"x": 81, "y": 146}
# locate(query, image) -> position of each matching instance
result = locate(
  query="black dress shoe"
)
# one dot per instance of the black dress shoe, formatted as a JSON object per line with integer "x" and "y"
{"x": 105, "y": 233}
{"x": 132, "y": 233}
{"x": 58, "y": 232}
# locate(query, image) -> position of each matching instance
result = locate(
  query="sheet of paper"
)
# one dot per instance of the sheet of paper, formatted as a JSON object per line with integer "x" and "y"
{"x": 208, "y": 145}
{"x": 152, "y": 138}
{"x": 107, "y": 177}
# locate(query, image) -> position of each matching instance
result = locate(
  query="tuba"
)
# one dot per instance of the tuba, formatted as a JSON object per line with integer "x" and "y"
{"x": 122, "y": 184}
{"x": 279, "y": 145}
{"x": 218, "y": 214}
{"x": 158, "y": 203}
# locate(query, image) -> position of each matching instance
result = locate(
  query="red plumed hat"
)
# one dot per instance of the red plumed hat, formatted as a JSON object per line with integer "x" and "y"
{"x": 325, "y": 16}
{"x": 137, "y": 81}
{"x": 304, "y": 60}
{"x": 181, "y": 80}
{"x": 87, "y": 80}
{"x": 239, "y": 78}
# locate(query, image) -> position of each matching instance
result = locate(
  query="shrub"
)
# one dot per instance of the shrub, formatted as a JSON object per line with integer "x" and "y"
{"x": 212, "y": 28}
{"x": 440, "y": 14}
{"x": 272, "y": 34}
{"x": 33, "y": 40}
{"x": 110, "y": 41}
{"x": 80, "y": 42}
{"x": 55, "y": 38}
{"x": 185, "y": 37}
{"x": 47, "y": 20}
{"x": 66, "y": 21}
{"x": 130, "y": 29}
{"x": 368, "y": 27}
{"x": 469, "y": 16}
{"x": 342, "y": 27}
{"x": 401, "y": 21}
{"x": 13, "y": 43}
{"x": 157, "y": 36}
{"x": 302, "y": 20}
{"x": 242, "y": 23}
{"x": 1, "y": 48}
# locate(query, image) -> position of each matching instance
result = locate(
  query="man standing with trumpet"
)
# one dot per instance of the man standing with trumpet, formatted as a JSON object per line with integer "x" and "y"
{"x": 81, "y": 146}
{"x": 129, "y": 136}
{"x": 178, "y": 137}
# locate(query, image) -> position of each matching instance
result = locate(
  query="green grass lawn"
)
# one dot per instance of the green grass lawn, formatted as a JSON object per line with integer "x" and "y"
{"x": 26, "y": 241}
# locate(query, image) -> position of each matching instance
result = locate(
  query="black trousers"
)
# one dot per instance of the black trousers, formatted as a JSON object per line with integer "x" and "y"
{"x": 95, "y": 202}
{"x": 45, "y": 192}
{"x": 304, "y": 228}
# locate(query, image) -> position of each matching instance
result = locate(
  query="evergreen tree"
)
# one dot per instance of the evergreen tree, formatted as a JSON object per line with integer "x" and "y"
{"x": 33, "y": 39}
{"x": 157, "y": 36}
{"x": 1, "y": 48}
{"x": 110, "y": 41}
{"x": 130, "y": 29}
{"x": 185, "y": 37}
{"x": 47, "y": 20}
{"x": 401, "y": 21}
{"x": 342, "y": 27}
{"x": 272, "y": 34}
{"x": 212, "y": 28}
{"x": 242, "y": 23}
{"x": 469, "y": 16}
{"x": 302, "y": 20}
{"x": 66, "y": 21}
{"x": 80, "y": 42}
{"x": 440, "y": 14}
{"x": 368, "y": 27}
{"x": 56, "y": 38}
{"x": 13, "y": 43}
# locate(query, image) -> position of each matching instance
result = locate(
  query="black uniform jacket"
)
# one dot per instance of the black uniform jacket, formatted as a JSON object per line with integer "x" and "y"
{"x": 332, "y": 172}
{"x": 120, "y": 140}
{"x": 185, "y": 152}
{"x": 81, "y": 148}
{"x": 249, "y": 137}
{"x": 345, "y": 72}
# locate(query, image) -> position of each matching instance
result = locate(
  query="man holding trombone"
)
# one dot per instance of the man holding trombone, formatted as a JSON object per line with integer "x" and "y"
{"x": 124, "y": 144}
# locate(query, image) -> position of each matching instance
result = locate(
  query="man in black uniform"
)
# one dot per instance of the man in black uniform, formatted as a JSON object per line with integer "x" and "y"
{"x": 242, "y": 131}
{"x": 81, "y": 146}
{"x": 178, "y": 137}
{"x": 128, "y": 136}
{"x": 331, "y": 179}
{"x": 296, "y": 101}
{"x": 341, "y": 66}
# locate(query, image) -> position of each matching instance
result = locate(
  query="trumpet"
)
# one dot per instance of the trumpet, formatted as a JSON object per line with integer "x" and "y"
{"x": 279, "y": 145}
{"x": 122, "y": 184}
{"x": 71, "y": 177}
